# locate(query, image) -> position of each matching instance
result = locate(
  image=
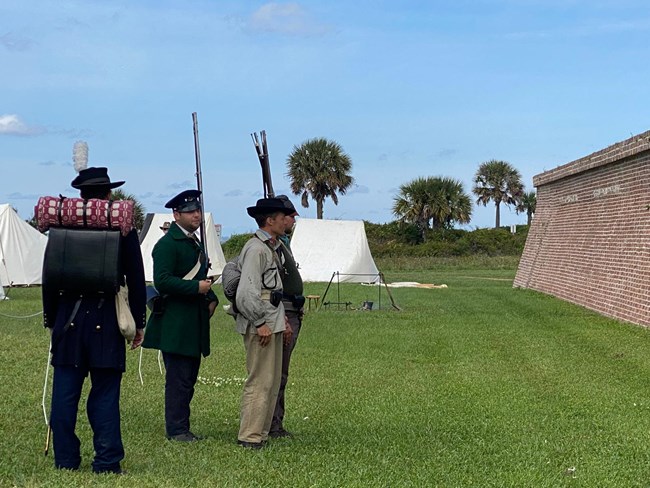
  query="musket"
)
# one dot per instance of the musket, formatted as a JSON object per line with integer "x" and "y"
{"x": 263, "y": 154}
{"x": 199, "y": 184}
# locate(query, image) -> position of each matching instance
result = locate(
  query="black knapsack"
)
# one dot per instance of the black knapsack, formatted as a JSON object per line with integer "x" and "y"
{"x": 83, "y": 261}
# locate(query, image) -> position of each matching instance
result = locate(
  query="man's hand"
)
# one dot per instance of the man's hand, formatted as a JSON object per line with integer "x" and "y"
{"x": 212, "y": 306}
{"x": 264, "y": 333}
{"x": 288, "y": 332}
{"x": 137, "y": 340}
{"x": 204, "y": 286}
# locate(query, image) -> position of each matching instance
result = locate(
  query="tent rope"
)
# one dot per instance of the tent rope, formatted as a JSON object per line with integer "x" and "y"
{"x": 21, "y": 317}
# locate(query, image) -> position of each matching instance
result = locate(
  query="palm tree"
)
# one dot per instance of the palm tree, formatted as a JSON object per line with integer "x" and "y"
{"x": 413, "y": 205}
{"x": 319, "y": 168}
{"x": 433, "y": 202}
{"x": 499, "y": 182}
{"x": 138, "y": 208}
{"x": 528, "y": 204}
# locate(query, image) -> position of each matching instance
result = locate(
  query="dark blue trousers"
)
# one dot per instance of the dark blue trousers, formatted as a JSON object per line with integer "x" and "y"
{"x": 103, "y": 410}
{"x": 180, "y": 378}
{"x": 295, "y": 320}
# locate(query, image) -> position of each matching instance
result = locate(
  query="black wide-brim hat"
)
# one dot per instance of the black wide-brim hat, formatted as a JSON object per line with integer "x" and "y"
{"x": 269, "y": 206}
{"x": 93, "y": 178}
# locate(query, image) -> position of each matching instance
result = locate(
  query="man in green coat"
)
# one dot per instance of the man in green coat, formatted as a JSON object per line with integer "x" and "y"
{"x": 180, "y": 328}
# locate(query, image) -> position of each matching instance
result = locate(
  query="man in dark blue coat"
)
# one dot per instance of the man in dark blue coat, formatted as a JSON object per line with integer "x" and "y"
{"x": 86, "y": 340}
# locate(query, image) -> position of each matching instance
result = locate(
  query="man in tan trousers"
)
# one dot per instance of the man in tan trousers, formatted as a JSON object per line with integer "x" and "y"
{"x": 261, "y": 321}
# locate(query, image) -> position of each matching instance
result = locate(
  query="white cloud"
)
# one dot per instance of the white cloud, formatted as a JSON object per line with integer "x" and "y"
{"x": 180, "y": 185}
{"x": 359, "y": 189}
{"x": 286, "y": 18}
{"x": 12, "y": 42}
{"x": 10, "y": 124}
{"x": 588, "y": 29}
{"x": 445, "y": 153}
{"x": 23, "y": 196}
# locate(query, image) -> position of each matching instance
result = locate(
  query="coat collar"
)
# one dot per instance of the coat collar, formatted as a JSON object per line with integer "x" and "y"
{"x": 265, "y": 237}
{"x": 176, "y": 232}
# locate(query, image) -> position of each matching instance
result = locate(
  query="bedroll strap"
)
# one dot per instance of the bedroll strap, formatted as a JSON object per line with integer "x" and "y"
{"x": 84, "y": 214}
{"x": 108, "y": 214}
{"x": 59, "y": 210}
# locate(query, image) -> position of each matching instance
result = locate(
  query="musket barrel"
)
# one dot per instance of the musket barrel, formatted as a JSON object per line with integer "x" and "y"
{"x": 199, "y": 181}
{"x": 263, "y": 156}
{"x": 267, "y": 166}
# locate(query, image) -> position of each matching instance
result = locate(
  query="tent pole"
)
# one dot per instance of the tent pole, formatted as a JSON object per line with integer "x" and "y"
{"x": 392, "y": 301}
{"x": 379, "y": 289}
{"x": 338, "y": 291}
{"x": 326, "y": 290}
{"x": 4, "y": 264}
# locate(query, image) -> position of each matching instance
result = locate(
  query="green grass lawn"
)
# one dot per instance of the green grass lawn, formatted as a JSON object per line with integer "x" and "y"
{"x": 478, "y": 384}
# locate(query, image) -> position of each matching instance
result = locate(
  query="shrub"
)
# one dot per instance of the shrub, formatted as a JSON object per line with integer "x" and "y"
{"x": 384, "y": 243}
{"x": 233, "y": 246}
{"x": 397, "y": 240}
{"x": 392, "y": 232}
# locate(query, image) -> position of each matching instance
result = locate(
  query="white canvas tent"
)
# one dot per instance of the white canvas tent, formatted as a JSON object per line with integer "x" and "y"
{"x": 21, "y": 250}
{"x": 151, "y": 233}
{"x": 323, "y": 247}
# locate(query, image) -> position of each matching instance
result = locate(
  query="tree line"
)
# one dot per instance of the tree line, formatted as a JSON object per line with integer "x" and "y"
{"x": 320, "y": 169}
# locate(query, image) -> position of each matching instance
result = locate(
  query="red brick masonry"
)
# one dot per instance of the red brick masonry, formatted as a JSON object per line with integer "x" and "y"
{"x": 589, "y": 242}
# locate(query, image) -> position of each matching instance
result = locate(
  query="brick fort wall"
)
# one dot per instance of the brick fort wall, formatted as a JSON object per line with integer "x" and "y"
{"x": 589, "y": 241}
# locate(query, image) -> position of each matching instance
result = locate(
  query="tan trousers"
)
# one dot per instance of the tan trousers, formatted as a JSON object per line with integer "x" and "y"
{"x": 264, "y": 366}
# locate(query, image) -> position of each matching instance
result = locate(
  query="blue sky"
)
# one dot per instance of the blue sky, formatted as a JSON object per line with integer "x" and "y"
{"x": 408, "y": 88}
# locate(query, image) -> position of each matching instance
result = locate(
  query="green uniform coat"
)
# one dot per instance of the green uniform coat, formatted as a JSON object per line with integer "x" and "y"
{"x": 184, "y": 326}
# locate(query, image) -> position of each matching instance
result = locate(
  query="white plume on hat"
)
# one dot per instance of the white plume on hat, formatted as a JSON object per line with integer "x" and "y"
{"x": 80, "y": 155}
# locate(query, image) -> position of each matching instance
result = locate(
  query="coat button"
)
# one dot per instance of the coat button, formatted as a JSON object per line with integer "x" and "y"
{"x": 98, "y": 327}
